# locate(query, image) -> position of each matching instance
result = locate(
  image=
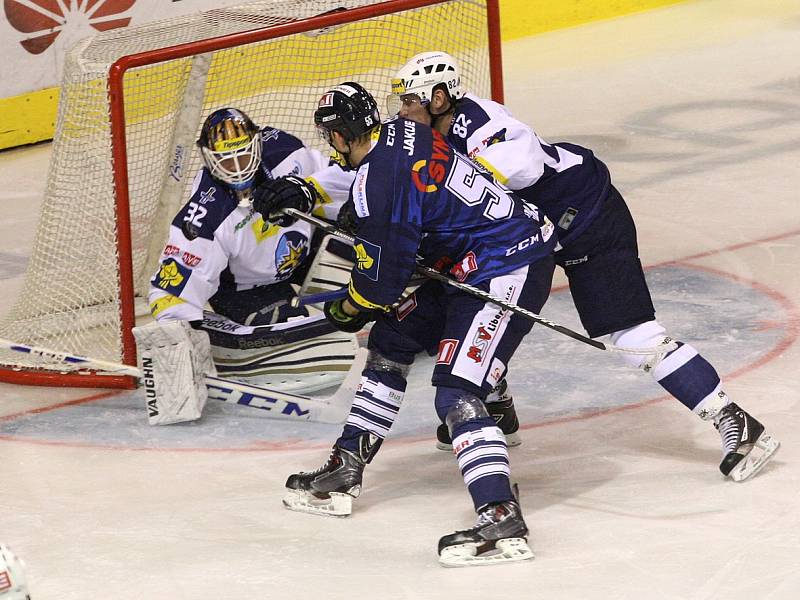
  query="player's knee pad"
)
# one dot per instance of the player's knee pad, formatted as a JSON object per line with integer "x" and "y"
{"x": 645, "y": 335}
{"x": 378, "y": 362}
{"x": 458, "y": 406}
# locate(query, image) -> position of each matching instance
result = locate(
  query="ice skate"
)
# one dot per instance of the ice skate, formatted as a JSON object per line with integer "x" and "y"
{"x": 746, "y": 444}
{"x": 501, "y": 410}
{"x": 330, "y": 489}
{"x": 499, "y": 536}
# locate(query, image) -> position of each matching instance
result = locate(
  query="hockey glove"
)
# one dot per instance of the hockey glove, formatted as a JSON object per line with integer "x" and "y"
{"x": 337, "y": 316}
{"x": 346, "y": 219}
{"x": 274, "y": 195}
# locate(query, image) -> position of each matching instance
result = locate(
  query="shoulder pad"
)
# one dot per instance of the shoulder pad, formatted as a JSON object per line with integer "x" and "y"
{"x": 276, "y": 145}
{"x": 209, "y": 205}
{"x": 469, "y": 114}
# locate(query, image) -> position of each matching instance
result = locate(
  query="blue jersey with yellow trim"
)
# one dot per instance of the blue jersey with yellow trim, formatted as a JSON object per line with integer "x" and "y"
{"x": 415, "y": 195}
{"x": 215, "y": 243}
{"x": 566, "y": 181}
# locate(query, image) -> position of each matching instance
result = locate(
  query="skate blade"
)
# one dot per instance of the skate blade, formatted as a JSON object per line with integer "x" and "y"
{"x": 512, "y": 440}
{"x": 762, "y": 452}
{"x": 506, "y": 550}
{"x": 338, "y": 505}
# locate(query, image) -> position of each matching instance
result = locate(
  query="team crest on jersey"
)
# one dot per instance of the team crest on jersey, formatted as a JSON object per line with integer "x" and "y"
{"x": 172, "y": 277}
{"x": 269, "y": 133}
{"x": 368, "y": 259}
{"x": 290, "y": 252}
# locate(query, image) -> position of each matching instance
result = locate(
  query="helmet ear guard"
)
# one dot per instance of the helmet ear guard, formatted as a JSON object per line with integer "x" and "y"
{"x": 348, "y": 109}
{"x": 422, "y": 75}
{"x": 230, "y": 146}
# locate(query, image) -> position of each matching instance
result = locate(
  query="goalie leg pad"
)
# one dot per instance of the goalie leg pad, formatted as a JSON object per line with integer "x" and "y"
{"x": 330, "y": 268}
{"x": 301, "y": 356}
{"x": 174, "y": 360}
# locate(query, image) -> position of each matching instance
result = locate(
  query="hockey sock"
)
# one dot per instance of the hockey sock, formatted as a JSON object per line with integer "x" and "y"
{"x": 374, "y": 407}
{"x": 683, "y": 372}
{"x": 691, "y": 379}
{"x": 478, "y": 444}
{"x": 482, "y": 455}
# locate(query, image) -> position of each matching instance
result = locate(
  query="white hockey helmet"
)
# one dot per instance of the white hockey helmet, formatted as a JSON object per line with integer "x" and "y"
{"x": 230, "y": 144}
{"x": 421, "y": 76}
{"x": 12, "y": 578}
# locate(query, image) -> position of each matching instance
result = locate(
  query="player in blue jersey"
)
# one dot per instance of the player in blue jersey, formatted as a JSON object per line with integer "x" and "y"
{"x": 224, "y": 249}
{"x": 416, "y": 199}
{"x": 597, "y": 235}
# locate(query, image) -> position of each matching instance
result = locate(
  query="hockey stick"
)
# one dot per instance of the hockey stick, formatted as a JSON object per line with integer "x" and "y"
{"x": 667, "y": 346}
{"x": 320, "y": 298}
{"x": 273, "y": 403}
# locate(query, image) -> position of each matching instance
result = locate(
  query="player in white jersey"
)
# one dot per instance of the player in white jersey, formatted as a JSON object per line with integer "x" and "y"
{"x": 597, "y": 235}
{"x": 225, "y": 250}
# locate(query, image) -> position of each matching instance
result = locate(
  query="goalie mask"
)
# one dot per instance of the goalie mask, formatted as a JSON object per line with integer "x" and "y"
{"x": 230, "y": 144}
{"x": 423, "y": 75}
{"x": 347, "y": 108}
{"x": 12, "y": 579}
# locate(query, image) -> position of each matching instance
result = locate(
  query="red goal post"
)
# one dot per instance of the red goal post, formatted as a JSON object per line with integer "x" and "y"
{"x": 131, "y": 106}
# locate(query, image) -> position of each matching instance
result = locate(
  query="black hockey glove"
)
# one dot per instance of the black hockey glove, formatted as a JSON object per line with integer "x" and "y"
{"x": 274, "y": 195}
{"x": 346, "y": 219}
{"x": 344, "y": 322}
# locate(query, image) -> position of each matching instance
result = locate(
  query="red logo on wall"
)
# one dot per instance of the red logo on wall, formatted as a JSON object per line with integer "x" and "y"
{"x": 46, "y": 19}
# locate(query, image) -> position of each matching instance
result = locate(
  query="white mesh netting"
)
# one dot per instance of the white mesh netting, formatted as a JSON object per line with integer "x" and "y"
{"x": 71, "y": 299}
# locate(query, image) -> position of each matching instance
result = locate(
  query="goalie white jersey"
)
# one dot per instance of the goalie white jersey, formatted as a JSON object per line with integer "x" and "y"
{"x": 216, "y": 244}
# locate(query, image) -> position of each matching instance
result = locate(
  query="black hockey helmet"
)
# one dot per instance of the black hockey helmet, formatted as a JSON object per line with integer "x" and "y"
{"x": 347, "y": 108}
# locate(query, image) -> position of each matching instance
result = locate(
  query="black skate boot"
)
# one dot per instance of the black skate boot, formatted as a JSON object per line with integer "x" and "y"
{"x": 330, "y": 489}
{"x": 498, "y": 536}
{"x": 746, "y": 445}
{"x": 500, "y": 406}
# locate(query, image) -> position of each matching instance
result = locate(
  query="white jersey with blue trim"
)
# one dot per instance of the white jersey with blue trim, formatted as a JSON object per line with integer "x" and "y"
{"x": 567, "y": 182}
{"x": 214, "y": 242}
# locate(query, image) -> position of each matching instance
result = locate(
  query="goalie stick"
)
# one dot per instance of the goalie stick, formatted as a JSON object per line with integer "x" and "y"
{"x": 667, "y": 346}
{"x": 273, "y": 403}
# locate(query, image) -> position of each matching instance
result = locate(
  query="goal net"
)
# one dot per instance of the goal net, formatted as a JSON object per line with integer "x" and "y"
{"x": 132, "y": 102}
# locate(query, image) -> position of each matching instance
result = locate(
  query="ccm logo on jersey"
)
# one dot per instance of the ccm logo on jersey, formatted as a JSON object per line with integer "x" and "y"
{"x": 427, "y": 179}
{"x": 546, "y": 230}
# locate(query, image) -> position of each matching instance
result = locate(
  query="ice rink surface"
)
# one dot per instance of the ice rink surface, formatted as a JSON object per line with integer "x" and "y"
{"x": 696, "y": 109}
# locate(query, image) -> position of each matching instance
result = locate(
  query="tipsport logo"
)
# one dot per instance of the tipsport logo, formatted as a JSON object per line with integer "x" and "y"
{"x": 44, "y": 20}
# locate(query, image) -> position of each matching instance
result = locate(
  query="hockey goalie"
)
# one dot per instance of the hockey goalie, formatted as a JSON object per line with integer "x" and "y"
{"x": 231, "y": 248}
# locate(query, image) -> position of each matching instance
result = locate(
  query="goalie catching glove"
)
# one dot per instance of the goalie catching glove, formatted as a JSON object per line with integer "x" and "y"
{"x": 275, "y": 195}
{"x": 344, "y": 321}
